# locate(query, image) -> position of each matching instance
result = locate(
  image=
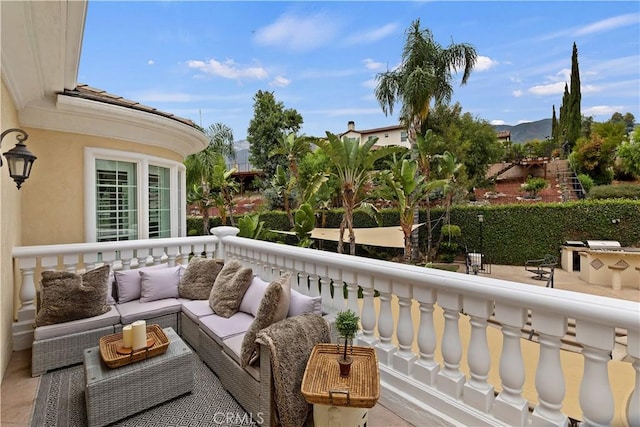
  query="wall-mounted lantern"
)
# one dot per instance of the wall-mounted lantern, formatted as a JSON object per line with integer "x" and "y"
{"x": 19, "y": 159}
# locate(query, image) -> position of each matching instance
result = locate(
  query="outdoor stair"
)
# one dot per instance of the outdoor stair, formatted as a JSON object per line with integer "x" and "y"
{"x": 569, "y": 183}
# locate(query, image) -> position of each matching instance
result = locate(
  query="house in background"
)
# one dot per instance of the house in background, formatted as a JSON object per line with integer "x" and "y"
{"x": 107, "y": 168}
{"x": 389, "y": 135}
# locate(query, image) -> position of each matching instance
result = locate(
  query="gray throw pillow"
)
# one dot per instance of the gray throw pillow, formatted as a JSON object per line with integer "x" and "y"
{"x": 229, "y": 288}
{"x": 268, "y": 313}
{"x": 199, "y": 277}
{"x": 67, "y": 296}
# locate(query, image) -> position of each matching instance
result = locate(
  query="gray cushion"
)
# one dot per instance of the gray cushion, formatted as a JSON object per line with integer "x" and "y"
{"x": 233, "y": 347}
{"x": 195, "y": 309}
{"x": 229, "y": 288}
{"x": 136, "y": 310}
{"x": 110, "y": 318}
{"x": 220, "y": 328}
{"x": 67, "y": 296}
{"x": 199, "y": 278}
{"x": 129, "y": 282}
{"x": 159, "y": 284}
{"x": 271, "y": 310}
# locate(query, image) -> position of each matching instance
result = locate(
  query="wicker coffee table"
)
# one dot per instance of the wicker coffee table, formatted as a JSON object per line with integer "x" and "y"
{"x": 114, "y": 394}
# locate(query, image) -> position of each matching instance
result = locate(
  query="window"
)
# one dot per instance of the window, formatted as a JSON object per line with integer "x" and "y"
{"x": 132, "y": 196}
{"x": 116, "y": 204}
{"x": 159, "y": 202}
{"x": 403, "y": 136}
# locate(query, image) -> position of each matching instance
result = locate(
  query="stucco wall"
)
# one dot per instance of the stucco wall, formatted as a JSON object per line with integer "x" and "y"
{"x": 53, "y": 204}
{"x": 10, "y": 199}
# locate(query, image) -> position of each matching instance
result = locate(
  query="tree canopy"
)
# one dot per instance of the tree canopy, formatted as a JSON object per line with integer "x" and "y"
{"x": 271, "y": 121}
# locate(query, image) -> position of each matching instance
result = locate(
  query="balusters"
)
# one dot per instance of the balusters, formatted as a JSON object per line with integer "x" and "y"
{"x": 404, "y": 358}
{"x": 426, "y": 368}
{"x": 551, "y": 328}
{"x": 385, "y": 348}
{"x": 368, "y": 315}
{"x": 633, "y": 405}
{"x": 450, "y": 379}
{"x": 325, "y": 292}
{"x": 596, "y": 397}
{"x": 510, "y": 406}
{"x": 478, "y": 393}
{"x": 70, "y": 262}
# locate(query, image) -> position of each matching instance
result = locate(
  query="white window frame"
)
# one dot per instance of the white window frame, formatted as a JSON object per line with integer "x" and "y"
{"x": 178, "y": 201}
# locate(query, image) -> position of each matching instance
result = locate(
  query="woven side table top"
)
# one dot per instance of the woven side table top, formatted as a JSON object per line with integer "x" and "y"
{"x": 323, "y": 385}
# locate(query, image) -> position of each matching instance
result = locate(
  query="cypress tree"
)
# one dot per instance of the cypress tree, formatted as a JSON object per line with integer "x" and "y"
{"x": 574, "y": 115}
{"x": 563, "y": 122}
{"x": 554, "y": 125}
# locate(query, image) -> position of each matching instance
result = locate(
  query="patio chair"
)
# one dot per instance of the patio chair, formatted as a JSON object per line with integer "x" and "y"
{"x": 542, "y": 268}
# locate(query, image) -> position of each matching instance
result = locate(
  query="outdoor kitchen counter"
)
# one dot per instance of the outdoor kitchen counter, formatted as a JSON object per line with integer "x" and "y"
{"x": 615, "y": 268}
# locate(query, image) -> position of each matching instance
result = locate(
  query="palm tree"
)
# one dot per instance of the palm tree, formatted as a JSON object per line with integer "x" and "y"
{"x": 225, "y": 187}
{"x": 352, "y": 164}
{"x": 293, "y": 147}
{"x": 200, "y": 169}
{"x": 408, "y": 188}
{"x": 423, "y": 77}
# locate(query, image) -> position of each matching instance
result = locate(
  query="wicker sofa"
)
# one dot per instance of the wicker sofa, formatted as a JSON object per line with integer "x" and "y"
{"x": 216, "y": 340}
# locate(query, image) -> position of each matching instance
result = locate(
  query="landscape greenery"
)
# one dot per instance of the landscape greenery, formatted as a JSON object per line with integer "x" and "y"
{"x": 343, "y": 183}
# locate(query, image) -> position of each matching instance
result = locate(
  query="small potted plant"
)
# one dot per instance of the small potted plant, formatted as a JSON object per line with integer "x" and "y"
{"x": 347, "y": 326}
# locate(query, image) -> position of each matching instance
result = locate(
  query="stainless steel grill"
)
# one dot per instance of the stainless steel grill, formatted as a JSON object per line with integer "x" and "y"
{"x": 610, "y": 245}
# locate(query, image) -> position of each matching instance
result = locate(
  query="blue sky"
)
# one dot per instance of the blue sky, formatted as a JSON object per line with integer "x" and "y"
{"x": 205, "y": 60}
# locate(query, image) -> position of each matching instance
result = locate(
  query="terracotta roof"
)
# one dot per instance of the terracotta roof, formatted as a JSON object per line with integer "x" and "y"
{"x": 375, "y": 130}
{"x": 99, "y": 95}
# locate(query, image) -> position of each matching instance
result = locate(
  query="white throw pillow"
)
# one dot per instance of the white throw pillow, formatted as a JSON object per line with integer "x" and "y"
{"x": 301, "y": 304}
{"x": 159, "y": 284}
{"x": 251, "y": 300}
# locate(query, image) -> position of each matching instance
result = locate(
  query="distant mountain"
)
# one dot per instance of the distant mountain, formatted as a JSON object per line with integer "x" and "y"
{"x": 524, "y": 132}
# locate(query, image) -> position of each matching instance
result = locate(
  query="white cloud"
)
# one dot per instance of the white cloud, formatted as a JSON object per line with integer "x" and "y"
{"x": 517, "y": 93}
{"x": 370, "y": 84}
{"x": 497, "y": 122}
{"x": 372, "y": 65}
{"x": 524, "y": 121}
{"x": 601, "y": 110}
{"x": 563, "y": 75}
{"x": 549, "y": 89}
{"x": 280, "y": 81}
{"x": 609, "y": 24}
{"x": 297, "y": 33}
{"x": 228, "y": 69}
{"x": 372, "y": 35}
{"x": 484, "y": 63}
{"x": 589, "y": 89}
{"x": 150, "y": 62}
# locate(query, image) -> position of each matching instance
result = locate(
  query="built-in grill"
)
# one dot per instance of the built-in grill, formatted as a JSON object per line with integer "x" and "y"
{"x": 607, "y": 245}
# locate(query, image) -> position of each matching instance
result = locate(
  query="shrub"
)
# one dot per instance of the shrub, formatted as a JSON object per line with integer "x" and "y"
{"x": 621, "y": 191}
{"x": 586, "y": 181}
{"x": 534, "y": 185}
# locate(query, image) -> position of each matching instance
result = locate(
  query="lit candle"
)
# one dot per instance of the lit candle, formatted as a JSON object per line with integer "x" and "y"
{"x": 139, "y": 334}
{"x": 127, "y": 336}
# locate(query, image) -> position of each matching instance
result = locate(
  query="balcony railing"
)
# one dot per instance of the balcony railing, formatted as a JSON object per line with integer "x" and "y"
{"x": 438, "y": 351}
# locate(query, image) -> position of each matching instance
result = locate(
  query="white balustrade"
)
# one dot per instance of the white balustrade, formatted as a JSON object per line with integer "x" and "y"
{"x": 450, "y": 378}
{"x": 550, "y": 382}
{"x": 478, "y": 393}
{"x": 411, "y": 373}
{"x": 510, "y": 406}
{"x": 596, "y": 397}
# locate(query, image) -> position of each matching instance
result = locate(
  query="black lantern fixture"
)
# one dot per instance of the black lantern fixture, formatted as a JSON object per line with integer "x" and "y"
{"x": 481, "y": 221}
{"x": 19, "y": 158}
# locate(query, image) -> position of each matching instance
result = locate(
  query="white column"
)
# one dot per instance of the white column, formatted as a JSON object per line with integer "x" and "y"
{"x": 551, "y": 327}
{"x": 221, "y": 233}
{"x": 478, "y": 393}
{"x": 22, "y": 330}
{"x": 404, "y": 358}
{"x": 510, "y": 406}
{"x": 596, "y": 397}
{"x": 450, "y": 378}
{"x": 426, "y": 369}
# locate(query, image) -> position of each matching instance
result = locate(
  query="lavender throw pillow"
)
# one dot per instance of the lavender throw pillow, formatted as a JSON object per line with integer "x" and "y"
{"x": 159, "y": 284}
{"x": 128, "y": 282}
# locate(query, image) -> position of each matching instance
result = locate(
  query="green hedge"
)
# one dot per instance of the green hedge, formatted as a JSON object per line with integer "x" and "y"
{"x": 511, "y": 234}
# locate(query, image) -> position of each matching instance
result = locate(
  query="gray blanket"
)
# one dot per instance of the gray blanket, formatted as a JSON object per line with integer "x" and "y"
{"x": 290, "y": 342}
